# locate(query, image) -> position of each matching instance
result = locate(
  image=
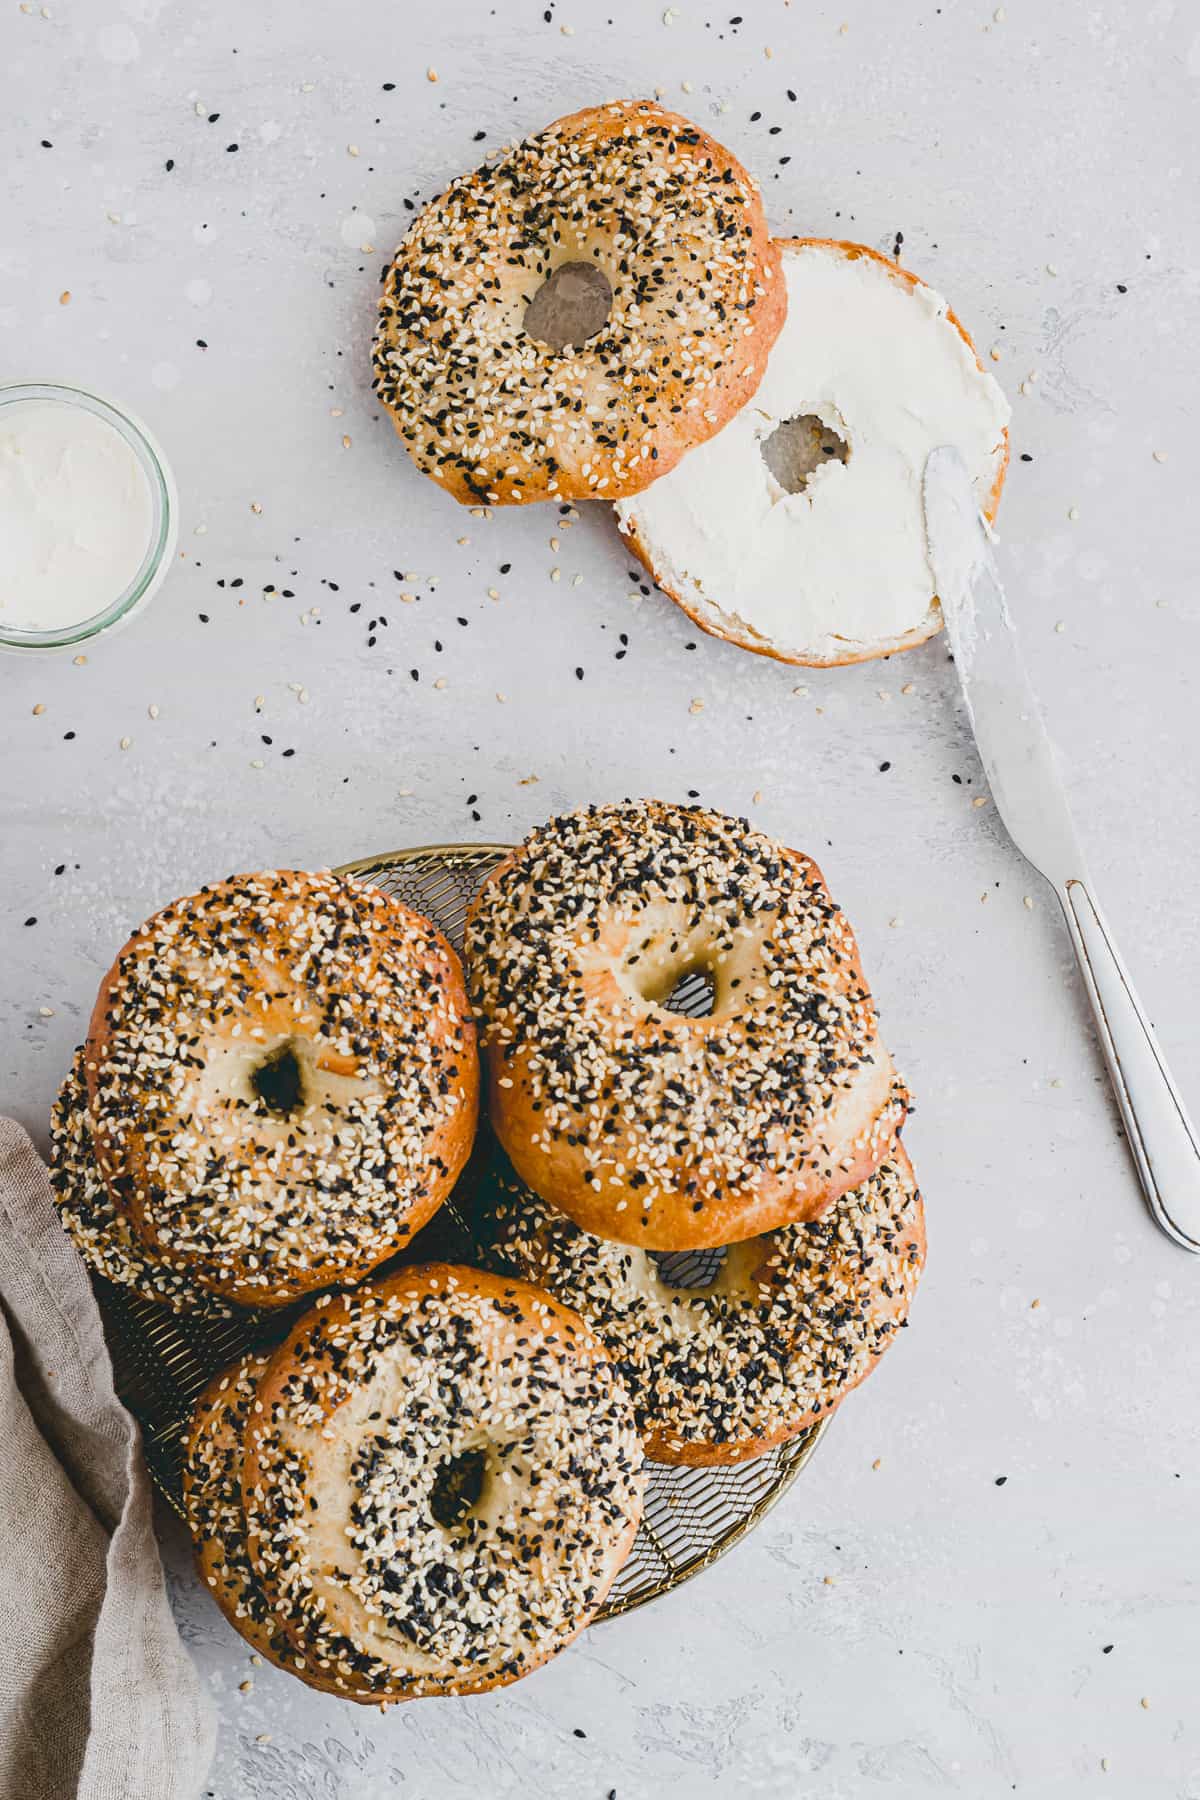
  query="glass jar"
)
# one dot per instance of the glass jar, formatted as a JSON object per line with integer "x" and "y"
{"x": 163, "y": 523}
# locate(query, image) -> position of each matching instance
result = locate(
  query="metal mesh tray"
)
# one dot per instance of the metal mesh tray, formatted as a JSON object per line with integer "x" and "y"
{"x": 162, "y": 1360}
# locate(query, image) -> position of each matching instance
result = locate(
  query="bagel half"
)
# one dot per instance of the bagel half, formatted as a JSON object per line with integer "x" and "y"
{"x": 489, "y": 400}
{"x": 871, "y": 372}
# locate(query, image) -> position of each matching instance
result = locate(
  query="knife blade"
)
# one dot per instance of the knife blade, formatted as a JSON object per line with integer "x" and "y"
{"x": 1014, "y": 747}
{"x": 1022, "y": 772}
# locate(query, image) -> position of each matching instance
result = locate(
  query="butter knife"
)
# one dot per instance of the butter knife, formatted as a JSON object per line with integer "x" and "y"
{"x": 1018, "y": 760}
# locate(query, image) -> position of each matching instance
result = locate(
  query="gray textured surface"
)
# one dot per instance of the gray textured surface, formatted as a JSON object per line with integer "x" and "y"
{"x": 960, "y": 1647}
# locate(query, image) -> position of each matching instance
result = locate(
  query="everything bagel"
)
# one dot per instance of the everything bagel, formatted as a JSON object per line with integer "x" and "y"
{"x": 724, "y": 1369}
{"x": 655, "y": 238}
{"x": 442, "y": 1479}
{"x": 283, "y": 1081}
{"x": 644, "y": 1125}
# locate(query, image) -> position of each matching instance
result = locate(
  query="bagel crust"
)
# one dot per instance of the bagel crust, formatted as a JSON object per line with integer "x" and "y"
{"x": 787, "y": 1326}
{"x": 283, "y": 1081}
{"x": 362, "y": 1411}
{"x": 728, "y": 544}
{"x": 673, "y": 222}
{"x": 212, "y": 1495}
{"x": 95, "y": 1214}
{"x": 643, "y": 1125}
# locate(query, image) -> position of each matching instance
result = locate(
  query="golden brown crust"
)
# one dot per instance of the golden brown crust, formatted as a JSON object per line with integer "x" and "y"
{"x": 497, "y": 418}
{"x": 725, "y": 1360}
{"x": 262, "y": 1206}
{"x": 662, "y": 1446}
{"x": 648, "y": 1195}
{"x": 722, "y": 625}
{"x": 324, "y": 1360}
{"x": 98, "y": 1224}
{"x": 212, "y": 1493}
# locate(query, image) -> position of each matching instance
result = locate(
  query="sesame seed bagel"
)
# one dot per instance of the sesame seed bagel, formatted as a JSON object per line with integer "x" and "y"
{"x": 442, "y": 1479}
{"x": 95, "y": 1218}
{"x": 671, "y": 287}
{"x": 283, "y": 1077}
{"x": 774, "y": 1340}
{"x": 643, "y": 1125}
{"x": 212, "y": 1495}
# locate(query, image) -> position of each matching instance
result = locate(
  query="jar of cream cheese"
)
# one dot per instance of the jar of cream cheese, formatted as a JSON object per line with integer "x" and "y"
{"x": 88, "y": 516}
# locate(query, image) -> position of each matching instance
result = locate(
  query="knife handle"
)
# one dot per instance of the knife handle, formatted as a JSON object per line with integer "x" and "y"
{"x": 1161, "y": 1136}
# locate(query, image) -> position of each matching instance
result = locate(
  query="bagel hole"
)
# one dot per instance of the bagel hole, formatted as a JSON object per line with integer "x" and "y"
{"x": 688, "y": 1268}
{"x": 800, "y": 446}
{"x": 694, "y": 994}
{"x": 279, "y": 1083}
{"x": 457, "y": 1487}
{"x": 571, "y": 306}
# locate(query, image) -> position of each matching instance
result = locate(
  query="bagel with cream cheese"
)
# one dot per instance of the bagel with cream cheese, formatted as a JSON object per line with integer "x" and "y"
{"x": 644, "y": 1125}
{"x": 570, "y": 318}
{"x": 798, "y": 531}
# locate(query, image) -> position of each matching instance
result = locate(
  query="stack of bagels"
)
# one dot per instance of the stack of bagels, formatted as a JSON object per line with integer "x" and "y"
{"x": 424, "y": 1479}
{"x": 600, "y": 312}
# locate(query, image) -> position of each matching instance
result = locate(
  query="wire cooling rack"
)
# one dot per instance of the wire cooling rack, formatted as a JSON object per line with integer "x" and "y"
{"x": 163, "y": 1359}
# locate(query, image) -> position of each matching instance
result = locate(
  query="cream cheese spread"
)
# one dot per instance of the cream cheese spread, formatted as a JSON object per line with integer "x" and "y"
{"x": 839, "y": 569}
{"x": 76, "y": 515}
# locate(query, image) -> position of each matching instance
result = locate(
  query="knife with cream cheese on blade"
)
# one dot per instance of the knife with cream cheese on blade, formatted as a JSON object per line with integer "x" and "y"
{"x": 1019, "y": 762}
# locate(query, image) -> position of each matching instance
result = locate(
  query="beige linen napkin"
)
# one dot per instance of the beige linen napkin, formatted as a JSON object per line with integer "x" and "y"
{"x": 98, "y": 1698}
